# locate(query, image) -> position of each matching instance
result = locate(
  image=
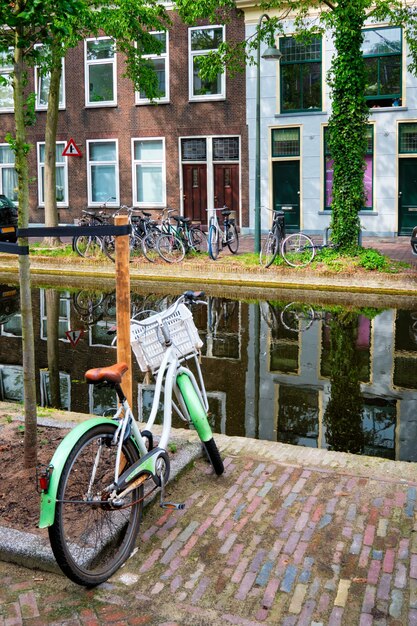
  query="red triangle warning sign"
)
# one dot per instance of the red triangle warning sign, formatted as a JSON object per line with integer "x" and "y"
{"x": 71, "y": 149}
{"x": 74, "y": 336}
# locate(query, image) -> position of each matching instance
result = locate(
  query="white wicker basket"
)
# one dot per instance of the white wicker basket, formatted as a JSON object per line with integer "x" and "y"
{"x": 148, "y": 343}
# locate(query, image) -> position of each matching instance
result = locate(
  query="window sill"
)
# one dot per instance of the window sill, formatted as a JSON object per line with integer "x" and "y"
{"x": 385, "y": 109}
{"x": 367, "y": 212}
{"x": 143, "y": 103}
{"x": 212, "y": 99}
{"x": 301, "y": 114}
{"x": 101, "y": 105}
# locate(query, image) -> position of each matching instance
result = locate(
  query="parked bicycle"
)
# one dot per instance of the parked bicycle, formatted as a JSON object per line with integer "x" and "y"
{"x": 93, "y": 489}
{"x": 142, "y": 226}
{"x": 271, "y": 245}
{"x": 193, "y": 238}
{"x": 298, "y": 250}
{"x": 220, "y": 238}
{"x": 90, "y": 246}
{"x": 175, "y": 240}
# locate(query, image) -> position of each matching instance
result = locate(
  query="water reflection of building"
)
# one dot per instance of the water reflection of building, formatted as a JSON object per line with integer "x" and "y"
{"x": 295, "y": 389}
{"x": 264, "y": 380}
{"x": 220, "y": 325}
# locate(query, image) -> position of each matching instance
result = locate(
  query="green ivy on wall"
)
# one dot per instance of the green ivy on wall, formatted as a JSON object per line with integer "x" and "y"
{"x": 348, "y": 120}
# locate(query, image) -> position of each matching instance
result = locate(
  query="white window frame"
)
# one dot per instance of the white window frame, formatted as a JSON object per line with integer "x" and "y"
{"x": 64, "y": 382}
{"x": 38, "y": 80}
{"x": 66, "y": 318}
{"x": 41, "y": 173}
{"x": 194, "y": 53}
{"x": 91, "y": 63}
{"x": 7, "y": 70}
{"x": 18, "y": 372}
{"x": 136, "y": 162}
{"x": 101, "y": 324}
{"x": 151, "y": 57}
{"x": 7, "y": 166}
{"x": 93, "y": 401}
{"x": 4, "y": 332}
{"x": 109, "y": 202}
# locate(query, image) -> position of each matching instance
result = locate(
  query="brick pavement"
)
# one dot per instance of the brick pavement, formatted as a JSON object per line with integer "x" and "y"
{"x": 279, "y": 539}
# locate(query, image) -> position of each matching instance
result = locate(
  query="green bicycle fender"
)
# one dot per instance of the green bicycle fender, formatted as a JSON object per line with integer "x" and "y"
{"x": 195, "y": 408}
{"x": 48, "y": 500}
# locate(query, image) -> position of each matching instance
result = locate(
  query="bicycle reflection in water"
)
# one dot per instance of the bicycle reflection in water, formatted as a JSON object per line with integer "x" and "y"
{"x": 295, "y": 316}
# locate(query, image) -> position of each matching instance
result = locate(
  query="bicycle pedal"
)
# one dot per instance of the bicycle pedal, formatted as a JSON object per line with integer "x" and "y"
{"x": 172, "y": 506}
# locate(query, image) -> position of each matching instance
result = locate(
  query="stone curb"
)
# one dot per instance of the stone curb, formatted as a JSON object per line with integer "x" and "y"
{"x": 390, "y": 284}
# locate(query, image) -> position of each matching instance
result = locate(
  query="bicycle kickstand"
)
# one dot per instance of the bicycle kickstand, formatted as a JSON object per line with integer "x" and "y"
{"x": 173, "y": 506}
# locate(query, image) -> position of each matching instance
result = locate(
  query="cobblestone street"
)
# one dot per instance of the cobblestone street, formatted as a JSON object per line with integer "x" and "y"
{"x": 276, "y": 540}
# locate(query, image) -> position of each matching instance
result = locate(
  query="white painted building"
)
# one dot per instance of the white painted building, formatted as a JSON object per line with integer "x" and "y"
{"x": 296, "y": 174}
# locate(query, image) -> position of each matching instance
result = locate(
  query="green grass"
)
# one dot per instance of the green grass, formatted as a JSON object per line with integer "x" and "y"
{"x": 64, "y": 250}
{"x": 329, "y": 259}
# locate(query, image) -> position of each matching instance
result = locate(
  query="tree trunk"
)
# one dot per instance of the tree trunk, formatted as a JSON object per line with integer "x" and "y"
{"x": 51, "y": 212}
{"x": 52, "y": 322}
{"x": 28, "y": 346}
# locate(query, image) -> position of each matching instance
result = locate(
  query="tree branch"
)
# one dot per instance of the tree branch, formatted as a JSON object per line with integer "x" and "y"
{"x": 329, "y": 4}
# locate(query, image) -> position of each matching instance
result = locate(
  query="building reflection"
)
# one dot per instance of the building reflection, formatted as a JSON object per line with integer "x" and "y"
{"x": 289, "y": 372}
{"x": 302, "y": 366}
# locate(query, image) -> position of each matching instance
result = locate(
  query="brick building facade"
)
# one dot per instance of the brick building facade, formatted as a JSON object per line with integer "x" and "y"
{"x": 192, "y": 145}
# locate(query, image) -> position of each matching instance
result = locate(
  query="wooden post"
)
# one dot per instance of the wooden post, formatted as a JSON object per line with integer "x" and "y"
{"x": 124, "y": 353}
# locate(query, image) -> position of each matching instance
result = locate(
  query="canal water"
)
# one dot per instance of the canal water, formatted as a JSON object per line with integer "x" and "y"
{"x": 319, "y": 375}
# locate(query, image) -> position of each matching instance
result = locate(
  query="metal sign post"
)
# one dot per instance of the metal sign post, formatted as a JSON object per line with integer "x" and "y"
{"x": 123, "y": 305}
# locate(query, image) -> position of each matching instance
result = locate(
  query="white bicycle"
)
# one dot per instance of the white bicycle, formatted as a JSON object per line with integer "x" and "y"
{"x": 93, "y": 488}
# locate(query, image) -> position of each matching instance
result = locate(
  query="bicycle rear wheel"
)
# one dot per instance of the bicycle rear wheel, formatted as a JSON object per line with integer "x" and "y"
{"x": 197, "y": 240}
{"x": 89, "y": 247}
{"x": 232, "y": 238}
{"x": 213, "y": 242}
{"x": 297, "y": 250}
{"x": 170, "y": 248}
{"x": 109, "y": 247}
{"x": 269, "y": 249}
{"x": 91, "y": 540}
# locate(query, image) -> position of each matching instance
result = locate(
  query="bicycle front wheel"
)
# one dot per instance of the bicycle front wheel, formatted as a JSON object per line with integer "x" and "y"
{"x": 213, "y": 242}
{"x": 170, "y": 248}
{"x": 232, "y": 238}
{"x": 135, "y": 247}
{"x": 89, "y": 538}
{"x": 149, "y": 248}
{"x": 269, "y": 250}
{"x": 89, "y": 247}
{"x": 297, "y": 250}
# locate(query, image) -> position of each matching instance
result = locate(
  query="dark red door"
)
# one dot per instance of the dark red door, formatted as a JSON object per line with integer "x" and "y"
{"x": 195, "y": 192}
{"x": 226, "y": 186}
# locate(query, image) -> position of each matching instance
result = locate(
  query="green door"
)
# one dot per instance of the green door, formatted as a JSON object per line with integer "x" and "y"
{"x": 407, "y": 196}
{"x": 286, "y": 192}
